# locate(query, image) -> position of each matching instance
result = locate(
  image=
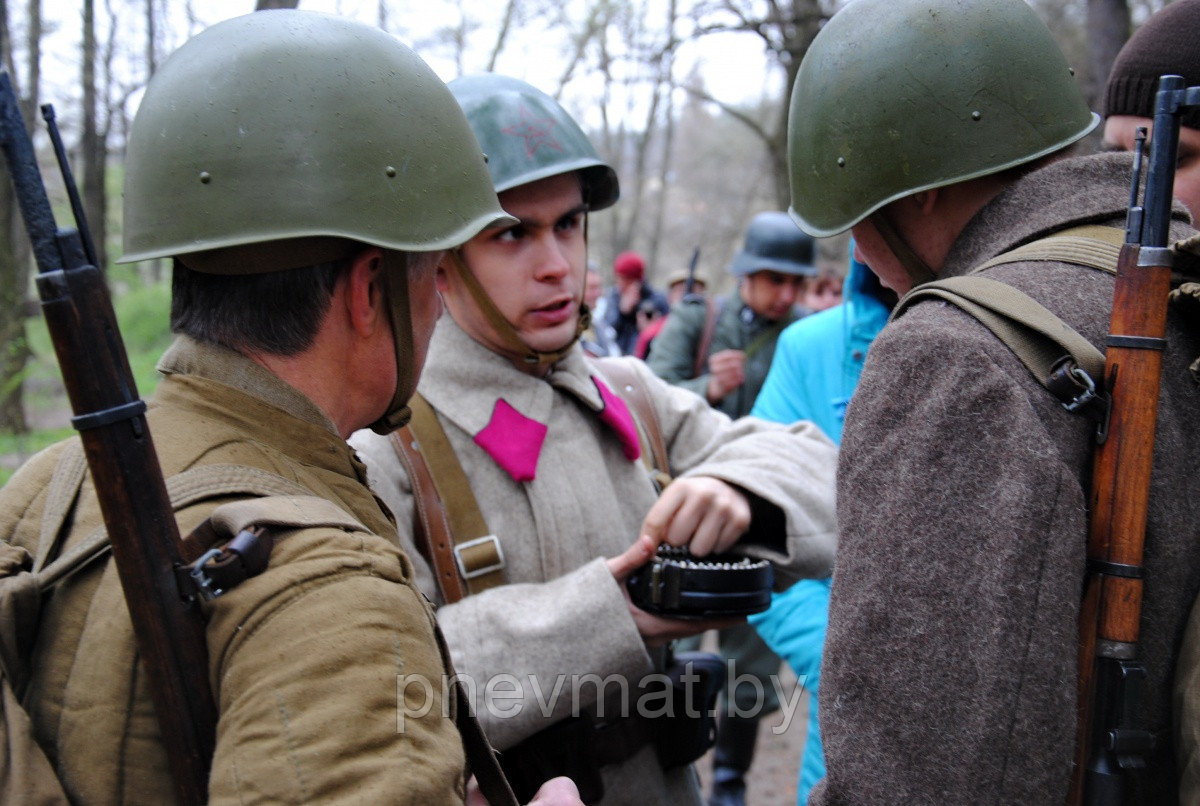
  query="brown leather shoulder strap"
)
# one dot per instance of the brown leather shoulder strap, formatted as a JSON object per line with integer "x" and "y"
{"x": 631, "y": 389}
{"x": 467, "y": 552}
{"x": 433, "y": 535}
{"x": 431, "y": 530}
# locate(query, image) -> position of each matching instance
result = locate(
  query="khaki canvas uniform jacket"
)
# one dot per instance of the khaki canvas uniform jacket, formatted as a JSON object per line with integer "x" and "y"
{"x": 673, "y": 355}
{"x": 303, "y": 658}
{"x": 561, "y": 616}
{"x": 950, "y": 661}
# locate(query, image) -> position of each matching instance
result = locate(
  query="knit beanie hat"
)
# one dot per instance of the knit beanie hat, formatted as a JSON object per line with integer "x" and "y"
{"x": 630, "y": 266}
{"x": 1168, "y": 43}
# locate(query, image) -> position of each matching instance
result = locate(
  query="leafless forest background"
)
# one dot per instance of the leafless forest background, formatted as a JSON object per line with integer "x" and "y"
{"x": 693, "y": 167}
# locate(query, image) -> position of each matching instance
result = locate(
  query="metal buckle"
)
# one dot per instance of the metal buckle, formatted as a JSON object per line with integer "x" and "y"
{"x": 487, "y": 569}
{"x": 204, "y": 583}
{"x": 1087, "y": 395}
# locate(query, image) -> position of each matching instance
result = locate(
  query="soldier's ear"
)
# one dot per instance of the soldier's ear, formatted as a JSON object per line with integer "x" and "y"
{"x": 365, "y": 299}
{"x": 926, "y": 200}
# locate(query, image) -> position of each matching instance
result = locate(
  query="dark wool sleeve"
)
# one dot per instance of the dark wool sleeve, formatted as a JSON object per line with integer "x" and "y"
{"x": 949, "y": 666}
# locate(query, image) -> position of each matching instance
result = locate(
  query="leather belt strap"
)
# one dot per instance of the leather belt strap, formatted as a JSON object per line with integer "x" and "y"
{"x": 465, "y": 556}
{"x": 629, "y": 386}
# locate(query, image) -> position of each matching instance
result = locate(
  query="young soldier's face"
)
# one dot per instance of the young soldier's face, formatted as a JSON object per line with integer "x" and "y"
{"x": 532, "y": 270}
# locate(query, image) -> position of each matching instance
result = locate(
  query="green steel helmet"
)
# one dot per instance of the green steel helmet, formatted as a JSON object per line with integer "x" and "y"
{"x": 284, "y": 125}
{"x": 898, "y": 96}
{"x": 773, "y": 241}
{"x": 528, "y": 136}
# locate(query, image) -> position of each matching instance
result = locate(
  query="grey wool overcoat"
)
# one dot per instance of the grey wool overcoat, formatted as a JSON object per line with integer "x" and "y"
{"x": 950, "y": 665}
{"x": 560, "y": 620}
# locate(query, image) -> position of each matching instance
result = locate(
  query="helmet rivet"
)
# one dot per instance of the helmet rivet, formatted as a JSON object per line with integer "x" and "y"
{"x": 1071, "y": 70}
{"x": 205, "y": 177}
{"x": 976, "y": 115}
{"x": 390, "y": 171}
{"x": 841, "y": 162}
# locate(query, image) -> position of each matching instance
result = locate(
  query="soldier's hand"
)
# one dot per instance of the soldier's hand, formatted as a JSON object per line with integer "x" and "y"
{"x": 726, "y": 372}
{"x": 623, "y": 565}
{"x": 555, "y": 792}
{"x": 700, "y": 512}
{"x": 656, "y": 630}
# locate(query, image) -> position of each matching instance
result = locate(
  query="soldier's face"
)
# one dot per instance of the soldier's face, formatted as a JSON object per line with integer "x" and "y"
{"x": 871, "y": 249}
{"x": 771, "y": 294}
{"x": 1120, "y": 134}
{"x": 532, "y": 270}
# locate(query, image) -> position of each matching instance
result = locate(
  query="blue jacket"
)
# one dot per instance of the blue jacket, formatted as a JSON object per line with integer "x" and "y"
{"x": 819, "y": 358}
{"x": 817, "y": 364}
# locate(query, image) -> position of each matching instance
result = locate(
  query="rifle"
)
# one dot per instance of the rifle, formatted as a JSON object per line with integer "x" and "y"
{"x": 1110, "y": 744}
{"x": 690, "y": 286}
{"x": 132, "y": 495}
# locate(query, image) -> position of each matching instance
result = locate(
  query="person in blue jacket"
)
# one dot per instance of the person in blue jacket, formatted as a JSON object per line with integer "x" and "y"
{"x": 817, "y": 362}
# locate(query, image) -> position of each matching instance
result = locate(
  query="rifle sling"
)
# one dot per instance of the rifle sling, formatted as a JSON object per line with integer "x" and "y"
{"x": 1046, "y": 345}
{"x": 712, "y": 309}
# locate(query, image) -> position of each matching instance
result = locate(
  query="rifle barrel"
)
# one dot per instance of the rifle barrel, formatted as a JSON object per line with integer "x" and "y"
{"x": 124, "y": 467}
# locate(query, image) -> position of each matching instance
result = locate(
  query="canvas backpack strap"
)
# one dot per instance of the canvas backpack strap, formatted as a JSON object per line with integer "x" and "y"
{"x": 61, "y": 494}
{"x": 626, "y": 382}
{"x": 1069, "y": 366}
{"x": 184, "y": 489}
{"x": 442, "y": 495}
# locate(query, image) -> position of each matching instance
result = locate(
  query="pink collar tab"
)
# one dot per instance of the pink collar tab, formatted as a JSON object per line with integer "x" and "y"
{"x": 513, "y": 440}
{"x": 616, "y": 416}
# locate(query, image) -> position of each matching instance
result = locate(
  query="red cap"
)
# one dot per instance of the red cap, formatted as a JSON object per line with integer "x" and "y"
{"x": 630, "y": 266}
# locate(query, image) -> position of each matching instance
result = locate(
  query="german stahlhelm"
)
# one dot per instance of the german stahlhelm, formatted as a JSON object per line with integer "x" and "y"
{"x": 774, "y": 242}
{"x": 528, "y": 136}
{"x": 898, "y": 96}
{"x": 286, "y": 138}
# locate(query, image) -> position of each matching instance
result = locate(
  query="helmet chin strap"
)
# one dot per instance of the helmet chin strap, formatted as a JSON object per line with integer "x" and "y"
{"x": 917, "y": 269}
{"x": 394, "y": 274}
{"x": 504, "y": 328}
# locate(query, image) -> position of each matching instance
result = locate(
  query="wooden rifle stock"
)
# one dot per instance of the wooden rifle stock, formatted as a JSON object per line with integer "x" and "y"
{"x": 1110, "y": 743}
{"x": 125, "y": 471}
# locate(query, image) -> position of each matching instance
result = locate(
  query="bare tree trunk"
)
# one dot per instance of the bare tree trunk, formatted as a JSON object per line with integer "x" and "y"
{"x": 155, "y": 269}
{"x": 14, "y": 250}
{"x": 151, "y": 39}
{"x": 1108, "y": 28}
{"x": 263, "y": 5}
{"x": 666, "y": 74}
{"x": 91, "y": 145}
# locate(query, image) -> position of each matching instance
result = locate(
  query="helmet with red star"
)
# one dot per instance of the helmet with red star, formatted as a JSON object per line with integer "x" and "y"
{"x": 528, "y": 136}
